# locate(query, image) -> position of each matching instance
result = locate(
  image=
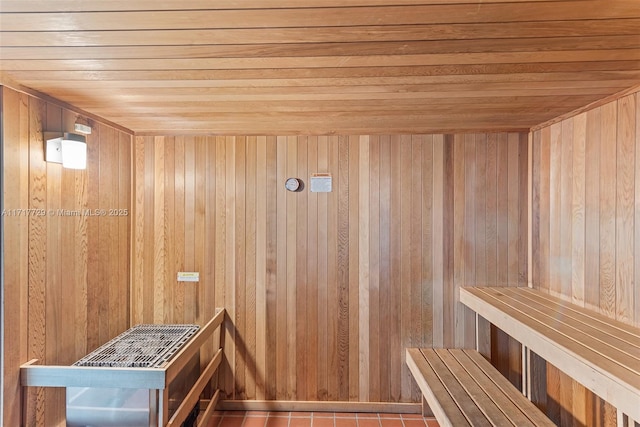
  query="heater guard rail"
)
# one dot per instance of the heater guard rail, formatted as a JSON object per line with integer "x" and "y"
{"x": 155, "y": 379}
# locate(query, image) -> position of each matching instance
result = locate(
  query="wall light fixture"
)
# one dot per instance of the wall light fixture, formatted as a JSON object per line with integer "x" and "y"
{"x": 67, "y": 148}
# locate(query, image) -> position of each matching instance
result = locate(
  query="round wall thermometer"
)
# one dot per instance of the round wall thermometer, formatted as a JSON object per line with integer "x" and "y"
{"x": 293, "y": 184}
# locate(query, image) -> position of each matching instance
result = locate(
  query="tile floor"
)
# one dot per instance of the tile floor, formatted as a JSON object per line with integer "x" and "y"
{"x": 317, "y": 419}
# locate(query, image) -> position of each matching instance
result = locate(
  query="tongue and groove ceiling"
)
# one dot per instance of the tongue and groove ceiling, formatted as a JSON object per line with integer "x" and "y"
{"x": 322, "y": 66}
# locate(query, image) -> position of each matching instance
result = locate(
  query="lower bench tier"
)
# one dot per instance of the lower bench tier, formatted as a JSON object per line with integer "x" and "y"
{"x": 463, "y": 389}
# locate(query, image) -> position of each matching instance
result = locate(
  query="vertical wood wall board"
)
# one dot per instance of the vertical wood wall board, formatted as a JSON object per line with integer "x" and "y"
{"x": 68, "y": 282}
{"x": 325, "y": 289}
{"x": 598, "y": 151}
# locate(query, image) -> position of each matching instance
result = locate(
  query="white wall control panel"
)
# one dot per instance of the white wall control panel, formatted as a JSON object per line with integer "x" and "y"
{"x": 321, "y": 183}
{"x": 188, "y": 276}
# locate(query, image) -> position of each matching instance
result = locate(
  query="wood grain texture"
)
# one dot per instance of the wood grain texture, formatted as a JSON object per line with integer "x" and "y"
{"x": 366, "y": 63}
{"x": 68, "y": 275}
{"x": 601, "y": 224}
{"x": 341, "y": 282}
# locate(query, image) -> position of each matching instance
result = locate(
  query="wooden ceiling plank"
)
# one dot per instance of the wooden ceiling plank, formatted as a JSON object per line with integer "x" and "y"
{"x": 14, "y": 6}
{"x": 342, "y": 90}
{"x": 320, "y": 17}
{"x": 327, "y": 61}
{"x": 493, "y": 30}
{"x": 79, "y": 99}
{"x": 140, "y": 107}
{"x": 324, "y": 49}
{"x": 471, "y": 70}
{"x": 602, "y": 76}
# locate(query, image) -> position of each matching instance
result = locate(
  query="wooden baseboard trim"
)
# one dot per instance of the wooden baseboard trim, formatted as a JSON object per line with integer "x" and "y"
{"x": 320, "y": 406}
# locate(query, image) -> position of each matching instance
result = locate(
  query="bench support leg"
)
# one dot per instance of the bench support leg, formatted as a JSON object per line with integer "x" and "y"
{"x": 426, "y": 410}
{"x": 526, "y": 372}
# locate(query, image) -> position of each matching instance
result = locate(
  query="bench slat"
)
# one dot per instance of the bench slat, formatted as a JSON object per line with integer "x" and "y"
{"x": 498, "y": 409}
{"x": 616, "y": 328}
{"x": 440, "y": 401}
{"x": 581, "y": 345}
{"x": 598, "y": 366}
{"x": 462, "y": 388}
{"x": 613, "y": 347}
{"x": 457, "y": 391}
{"x": 535, "y": 417}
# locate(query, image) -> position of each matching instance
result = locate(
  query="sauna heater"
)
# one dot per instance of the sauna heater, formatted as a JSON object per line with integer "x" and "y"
{"x": 143, "y": 346}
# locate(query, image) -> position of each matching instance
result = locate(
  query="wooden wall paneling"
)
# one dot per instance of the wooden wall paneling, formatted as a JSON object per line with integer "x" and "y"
{"x": 37, "y": 251}
{"x": 363, "y": 263}
{"x": 261, "y": 260}
{"x": 288, "y": 255}
{"x": 555, "y": 224}
{"x": 67, "y": 240}
{"x": 518, "y": 154}
{"x": 194, "y": 216}
{"x": 292, "y": 267}
{"x": 428, "y": 241}
{"x": 448, "y": 313}
{"x": 480, "y": 211}
{"x": 524, "y": 214}
{"x": 250, "y": 266}
{"x": 637, "y": 216}
{"x": 54, "y": 283}
{"x": 545, "y": 208}
{"x": 578, "y": 208}
{"x": 15, "y": 110}
{"x": 564, "y": 262}
{"x": 230, "y": 260}
{"x": 554, "y": 397}
{"x": 469, "y": 264}
{"x": 592, "y": 210}
{"x": 312, "y": 276}
{"x": 56, "y": 252}
{"x": 383, "y": 167}
{"x": 505, "y": 231}
{"x": 468, "y": 161}
{"x": 458, "y": 237}
{"x": 286, "y": 269}
{"x": 600, "y": 209}
{"x": 271, "y": 264}
{"x": 438, "y": 219}
{"x": 202, "y": 309}
{"x": 78, "y": 230}
{"x": 169, "y": 234}
{"x": 375, "y": 344}
{"x": 404, "y": 291}
{"x": 416, "y": 259}
{"x": 240, "y": 282}
{"x": 332, "y": 270}
{"x": 179, "y": 227}
{"x": 515, "y": 264}
{"x": 139, "y": 216}
{"x": 124, "y": 229}
{"x": 148, "y": 237}
{"x": 354, "y": 267}
{"x": 301, "y": 281}
{"x": 395, "y": 265}
{"x": 625, "y": 204}
{"x": 608, "y": 213}
{"x": 566, "y": 185}
{"x": 344, "y": 349}
{"x": 536, "y": 208}
{"x": 108, "y": 308}
{"x": 491, "y": 241}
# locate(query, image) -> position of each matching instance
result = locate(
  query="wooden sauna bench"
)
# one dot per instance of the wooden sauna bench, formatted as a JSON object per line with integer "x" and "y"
{"x": 600, "y": 353}
{"x": 463, "y": 389}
